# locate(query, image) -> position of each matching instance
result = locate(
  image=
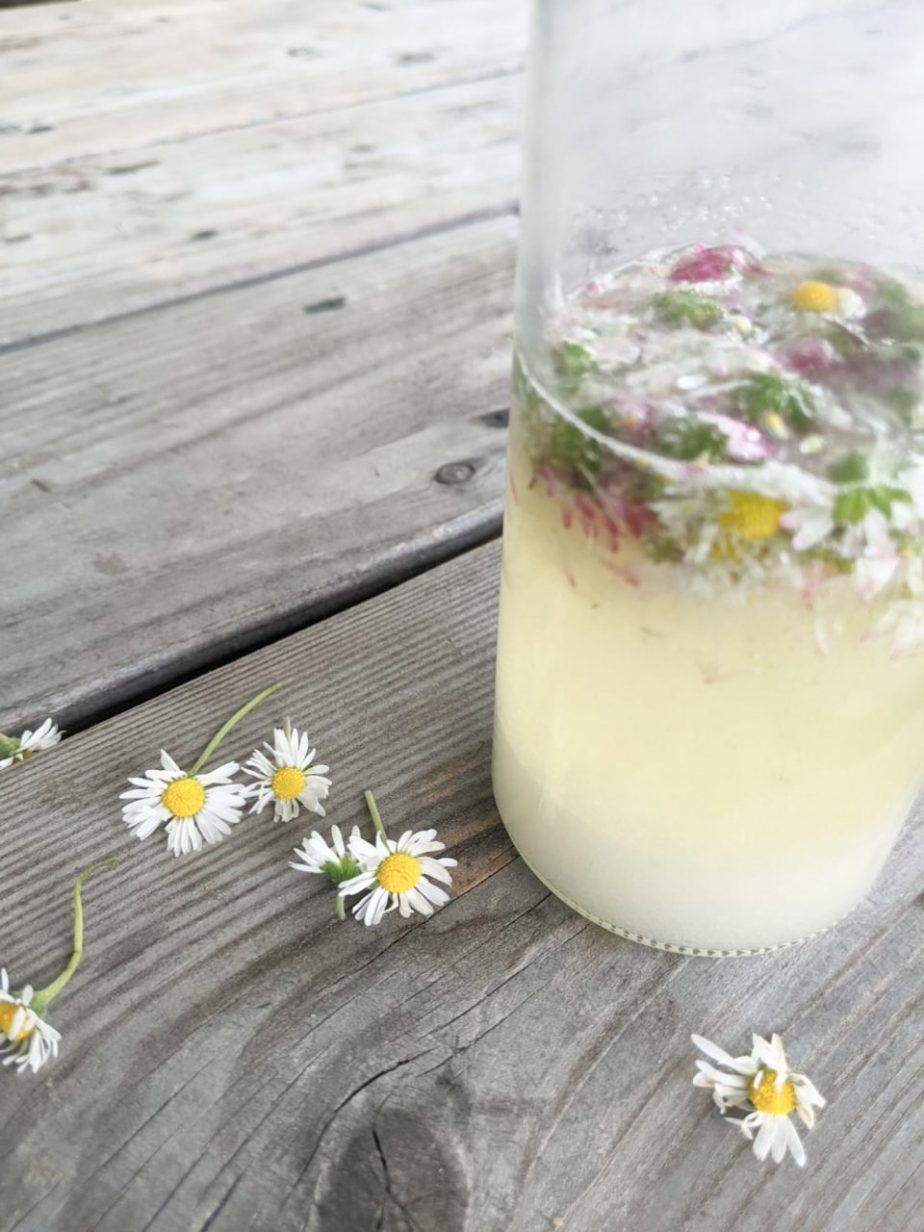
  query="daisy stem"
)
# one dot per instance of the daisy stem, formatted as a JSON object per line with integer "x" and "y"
{"x": 341, "y": 910}
{"x": 41, "y": 998}
{"x": 226, "y": 727}
{"x": 374, "y": 813}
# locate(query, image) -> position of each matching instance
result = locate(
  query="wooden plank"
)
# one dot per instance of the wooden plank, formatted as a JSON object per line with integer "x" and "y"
{"x": 119, "y": 75}
{"x": 182, "y": 484}
{"x": 234, "y": 1058}
{"x": 100, "y": 235}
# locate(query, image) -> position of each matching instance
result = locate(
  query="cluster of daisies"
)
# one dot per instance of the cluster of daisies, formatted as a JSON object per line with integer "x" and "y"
{"x": 199, "y": 806}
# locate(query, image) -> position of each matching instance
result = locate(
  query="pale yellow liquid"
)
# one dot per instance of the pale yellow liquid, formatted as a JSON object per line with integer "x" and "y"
{"x": 693, "y": 772}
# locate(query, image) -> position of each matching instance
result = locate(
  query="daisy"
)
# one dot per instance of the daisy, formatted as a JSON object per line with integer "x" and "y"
{"x": 26, "y": 1041}
{"x": 194, "y": 805}
{"x": 288, "y": 776}
{"x": 396, "y": 874}
{"x": 15, "y": 749}
{"x": 319, "y": 856}
{"x": 763, "y": 1081}
{"x": 335, "y": 861}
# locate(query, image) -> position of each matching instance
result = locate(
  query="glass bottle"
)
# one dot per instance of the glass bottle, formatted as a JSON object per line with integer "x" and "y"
{"x": 710, "y": 680}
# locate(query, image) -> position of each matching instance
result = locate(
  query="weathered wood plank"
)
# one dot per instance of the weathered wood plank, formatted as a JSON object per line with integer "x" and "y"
{"x": 181, "y": 484}
{"x": 233, "y": 1058}
{"x": 101, "y": 235}
{"x": 124, "y": 74}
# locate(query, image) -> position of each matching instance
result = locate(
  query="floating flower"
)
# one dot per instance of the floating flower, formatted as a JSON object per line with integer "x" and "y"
{"x": 396, "y": 873}
{"x": 745, "y": 442}
{"x": 815, "y": 296}
{"x": 27, "y": 1041}
{"x": 763, "y": 1081}
{"x": 196, "y": 806}
{"x": 333, "y": 860}
{"x": 752, "y": 515}
{"x": 290, "y": 779}
{"x": 808, "y": 525}
{"x": 14, "y": 749}
{"x": 711, "y": 264}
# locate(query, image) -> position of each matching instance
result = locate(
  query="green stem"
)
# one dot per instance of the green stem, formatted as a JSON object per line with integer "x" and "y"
{"x": 374, "y": 814}
{"x": 341, "y": 910}
{"x": 226, "y": 727}
{"x": 42, "y": 998}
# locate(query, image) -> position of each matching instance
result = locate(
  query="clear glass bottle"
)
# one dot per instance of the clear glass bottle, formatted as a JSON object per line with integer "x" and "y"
{"x": 710, "y": 680}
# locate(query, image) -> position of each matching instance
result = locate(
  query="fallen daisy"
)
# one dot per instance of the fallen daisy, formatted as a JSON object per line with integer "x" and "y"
{"x": 396, "y": 874}
{"x": 14, "y": 749}
{"x": 197, "y": 806}
{"x": 287, "y": 778}
{"x": 332, "y": 860}
{"x": 764, "y": 1082}
{"x": 27, "y": 1041}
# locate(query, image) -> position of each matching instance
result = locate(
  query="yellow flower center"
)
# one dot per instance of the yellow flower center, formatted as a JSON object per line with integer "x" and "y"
{"x": 766, "y": 1098}
{"x": 8, "y": 1012}
{"x": 398, "y": 872}
{"x": 752, "y": 516}
{"x": 815, "y": 297}
{"x": 184, "y": 797}
{"x": 287, "y": 782}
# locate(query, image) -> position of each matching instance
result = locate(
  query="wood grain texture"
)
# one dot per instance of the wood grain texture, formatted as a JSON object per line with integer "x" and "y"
{"x": 186, "y": 483}
{"x": 120, "y": 75}
{"x": 95, "y": 236}
{"x": 234, "y": 1058}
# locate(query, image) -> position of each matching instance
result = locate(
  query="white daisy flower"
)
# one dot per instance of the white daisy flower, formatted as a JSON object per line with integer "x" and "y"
{"x": 334, "y": 859}
{"x": 196, "y": 806}
{"x": 397, "y": 874}
{"x": 17, "y": 748}
{"x": 287, "y": 778}
{"x": 764, "y": 1081}
{"x": 809, "y": 525}
{"x": 26, "y": 1041}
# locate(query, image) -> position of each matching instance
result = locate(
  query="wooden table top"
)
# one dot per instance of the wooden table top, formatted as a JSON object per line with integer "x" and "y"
{"x": 254, "y": 339}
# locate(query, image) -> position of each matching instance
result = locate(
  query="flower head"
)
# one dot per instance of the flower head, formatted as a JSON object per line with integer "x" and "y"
{"x": 334, "y": 859}
{"x": 196, "y": 806}
{"x": 763, "y": 1081}
{"x": 15, "y": 749}
{"x": 26, "y": 1041}
{"x": 396, "y": 874}
{"x": 288, "y": 777}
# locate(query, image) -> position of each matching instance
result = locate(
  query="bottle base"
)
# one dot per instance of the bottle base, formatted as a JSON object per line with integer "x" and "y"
{"x": 672, "y": 947}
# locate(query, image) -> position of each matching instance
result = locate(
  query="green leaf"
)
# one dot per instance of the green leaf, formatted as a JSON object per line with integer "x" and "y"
{"x": 853, "y": 506}
{"x": 572, "y": 449}
{"x": 573, "y": 362}
{"x": 688, "y": 440}
{"x": 764, "y": 393}
{"x": 676, "y": 308}
{"x": 851, "y": 468}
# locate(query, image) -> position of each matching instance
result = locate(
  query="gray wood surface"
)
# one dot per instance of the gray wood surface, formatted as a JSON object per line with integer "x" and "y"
{"x": 178, "y": 486}
{"x": 233, "y": 1058}
{"x": 254, "y": 323}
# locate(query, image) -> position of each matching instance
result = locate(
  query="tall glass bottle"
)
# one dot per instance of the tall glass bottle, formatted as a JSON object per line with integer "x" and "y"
{"x": 710, "y": 682}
